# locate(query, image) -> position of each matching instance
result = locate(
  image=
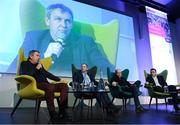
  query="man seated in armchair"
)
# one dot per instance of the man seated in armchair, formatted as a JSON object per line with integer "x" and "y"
{"x": 159, "y": 83}
{"x": 87, "y": 77}
{"x": 118, "y": 80}
{"x": 35, "y": 69}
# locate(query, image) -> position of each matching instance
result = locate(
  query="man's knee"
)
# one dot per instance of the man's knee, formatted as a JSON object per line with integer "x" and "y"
{"x": 138, "y": 83}
{"x": 50, "y": 89}
{"x": 172, "y": 88}
{"x": 64, "y": 87}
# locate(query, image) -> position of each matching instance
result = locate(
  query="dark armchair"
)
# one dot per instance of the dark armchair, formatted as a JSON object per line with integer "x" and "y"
{"x": 116, "y": 91}
{"x": 78, "y": 95}
{"x": 154, "y": 94}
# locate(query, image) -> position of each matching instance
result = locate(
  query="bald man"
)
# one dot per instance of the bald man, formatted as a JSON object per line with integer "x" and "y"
{"x": 118, "y": 80}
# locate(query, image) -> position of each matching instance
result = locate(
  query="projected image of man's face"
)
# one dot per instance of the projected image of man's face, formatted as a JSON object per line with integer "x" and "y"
{"x": 60, "y": 24}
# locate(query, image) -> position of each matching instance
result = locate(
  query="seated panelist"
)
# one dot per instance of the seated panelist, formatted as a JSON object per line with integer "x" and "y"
{"x": 35, "y": 69}
{"x": 118, "y": 80}
{"x": 159, "y": 83}
{"x": 83, "y": 76}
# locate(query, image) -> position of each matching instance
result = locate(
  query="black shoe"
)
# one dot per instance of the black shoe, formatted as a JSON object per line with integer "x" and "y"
{"x": 54, "y": 117}
{"x": 113, "y": 111}
{"x": 144, "y": 109}
{"x": 139, "y": 110}
{"x": 63, "y": 114}
{"x": 176, "y": 108}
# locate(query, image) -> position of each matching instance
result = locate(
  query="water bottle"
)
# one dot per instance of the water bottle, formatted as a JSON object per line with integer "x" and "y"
{"x": 73, "y": 85}
{"x": 165, "y": 88}
{"x": 101, "y": 74}
{"x": 101, "y": 85}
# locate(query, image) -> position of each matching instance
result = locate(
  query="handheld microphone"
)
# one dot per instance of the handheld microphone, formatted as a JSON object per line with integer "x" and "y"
{"x": 61, "y": 41}
{"x": 54, "y": 57}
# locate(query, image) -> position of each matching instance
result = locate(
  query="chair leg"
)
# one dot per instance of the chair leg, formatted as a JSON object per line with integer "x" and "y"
{"x": 150, "y": 102}
{"x": 165, "y": 102}
{"x": 156, "y": 104}
{"x": 74, "y": 103}
{"x": 125, "y": 103}
{"x": 17, "y": 104}
{"x": 58, "y": 102}
{"x": 91, "y": 105}
{"x": 112, "y": 100}
{"x": 38, "y": 103}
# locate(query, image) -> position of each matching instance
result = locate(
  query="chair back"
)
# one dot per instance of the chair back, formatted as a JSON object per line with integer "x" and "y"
{"x": 164, "y": 74}
{"x": 97, "y": 32}
{"x": 46, "y": 62}
{"x": 110, "y": 74}
{"x": 151, "y": 91}
{"x": 21, "y": 58}
{"x": 92, "y": 70}
{"x": 116, "y": 91}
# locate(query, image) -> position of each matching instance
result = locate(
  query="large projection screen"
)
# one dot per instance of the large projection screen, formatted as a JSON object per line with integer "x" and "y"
{"x": 111, "y": 33}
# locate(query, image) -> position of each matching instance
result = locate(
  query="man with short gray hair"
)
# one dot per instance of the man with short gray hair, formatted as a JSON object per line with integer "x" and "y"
{"x": 62, "y": 44}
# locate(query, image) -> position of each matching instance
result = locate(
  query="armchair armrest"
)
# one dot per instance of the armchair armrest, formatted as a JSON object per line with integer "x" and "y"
{"x": 61, "y": 81}
{"x": 149, "y": 85}
{"x": 150, "y": 88}
{"x": 25, "y": 80}
{"x": 28, "y": 88}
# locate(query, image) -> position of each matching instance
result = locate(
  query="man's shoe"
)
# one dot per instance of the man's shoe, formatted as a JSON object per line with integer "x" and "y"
{"x": 113, "y": 110}
{"x": 117, "y": 109}
{"x": 176, "y": 109}
{"x": 139, "y": 110}
{"x": 63, "y": 115}
{"x": 144, "y": 109}
{"x": 54, "y": 117}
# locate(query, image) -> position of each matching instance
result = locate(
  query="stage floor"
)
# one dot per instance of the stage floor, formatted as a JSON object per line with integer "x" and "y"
{"x": 162, "y": 116}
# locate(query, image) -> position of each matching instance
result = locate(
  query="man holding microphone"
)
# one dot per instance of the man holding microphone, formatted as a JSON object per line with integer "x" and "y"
{"x": 35, "y": 69}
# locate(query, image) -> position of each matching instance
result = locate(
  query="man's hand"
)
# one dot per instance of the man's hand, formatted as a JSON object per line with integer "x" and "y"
{"x": 114, "y": 83}
{"x": 53, "y": 48}
{"x": 39, "y": 66}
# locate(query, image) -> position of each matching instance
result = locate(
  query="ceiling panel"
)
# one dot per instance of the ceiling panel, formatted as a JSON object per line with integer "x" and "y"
{"x": 163, "y": 2}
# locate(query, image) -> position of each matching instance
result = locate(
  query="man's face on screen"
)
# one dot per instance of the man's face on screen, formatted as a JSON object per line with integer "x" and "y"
{"x": 60, "y": 24}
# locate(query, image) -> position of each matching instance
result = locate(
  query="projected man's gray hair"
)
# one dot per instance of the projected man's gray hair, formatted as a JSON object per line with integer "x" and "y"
{"x": 62, "y": 7}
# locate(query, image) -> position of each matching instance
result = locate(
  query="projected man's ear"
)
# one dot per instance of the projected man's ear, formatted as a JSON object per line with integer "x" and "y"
{"x": 47, "y": 21}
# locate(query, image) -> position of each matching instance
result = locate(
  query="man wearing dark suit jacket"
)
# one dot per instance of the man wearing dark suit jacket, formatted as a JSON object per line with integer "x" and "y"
{"x": 85, "y": 77}
{"x": 157, "y": 80}
{"x": 64, "y": 46}
{"x": 158, "y": 85}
